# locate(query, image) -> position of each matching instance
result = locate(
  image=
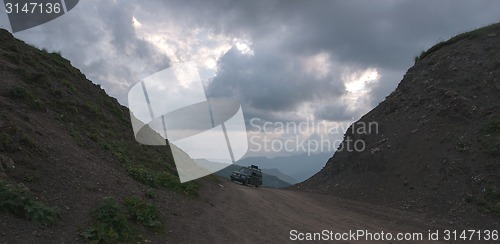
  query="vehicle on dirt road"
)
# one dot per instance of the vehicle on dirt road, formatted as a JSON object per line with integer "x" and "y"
{"x": 250, "y": 175}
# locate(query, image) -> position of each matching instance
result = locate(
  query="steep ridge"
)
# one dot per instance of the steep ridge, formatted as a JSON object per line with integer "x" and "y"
{"x": 437, "y": 146}
{"x": 66, "y": 148}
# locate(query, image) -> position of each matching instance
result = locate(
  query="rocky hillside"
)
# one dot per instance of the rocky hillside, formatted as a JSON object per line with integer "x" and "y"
{"x": 71, "y": 170}
{"x": 437, "y": 148}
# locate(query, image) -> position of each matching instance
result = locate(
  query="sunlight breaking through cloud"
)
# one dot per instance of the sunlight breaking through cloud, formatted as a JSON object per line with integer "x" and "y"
{"x": 357, "y": 82}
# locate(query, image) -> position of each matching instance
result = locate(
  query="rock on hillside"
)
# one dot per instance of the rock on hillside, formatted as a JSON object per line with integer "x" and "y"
{"x": 437, "y": 148}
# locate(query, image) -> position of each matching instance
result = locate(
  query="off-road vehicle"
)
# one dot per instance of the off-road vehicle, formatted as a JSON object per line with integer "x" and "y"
{"x": 250, "y": 175}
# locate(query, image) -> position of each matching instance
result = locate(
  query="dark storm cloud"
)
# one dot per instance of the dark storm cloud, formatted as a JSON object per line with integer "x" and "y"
{"x": 387, "y": 33}
{"x": 269, "y": 81}
{"x": 335, "y": 112}
{"x": 381, "y": 34}
{"x": 97, "y": 36}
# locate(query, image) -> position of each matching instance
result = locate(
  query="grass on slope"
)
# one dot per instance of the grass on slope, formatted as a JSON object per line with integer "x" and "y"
{"x": 466, "y": 35}
{"x": 98, "y": 123}
{"x": 114, "y": 222}
{"x": 17, "y": 199}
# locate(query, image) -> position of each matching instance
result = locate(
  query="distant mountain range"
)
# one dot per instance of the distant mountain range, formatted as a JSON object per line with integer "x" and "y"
{"x": 299, "y": 167}
{"x": 271, "y": 177}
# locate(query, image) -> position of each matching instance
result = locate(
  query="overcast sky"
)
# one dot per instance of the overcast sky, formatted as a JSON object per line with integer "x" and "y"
{"x": 284, "y": 60}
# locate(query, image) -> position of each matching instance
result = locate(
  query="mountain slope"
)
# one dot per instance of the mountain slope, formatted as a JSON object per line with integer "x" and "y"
{"x": 280, "y": 175}
{"x": 67, "y": 146}
{"x": 437, "y": 146}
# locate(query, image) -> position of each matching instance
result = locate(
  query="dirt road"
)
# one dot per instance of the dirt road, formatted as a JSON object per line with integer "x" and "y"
{"x": 262, "y": 215}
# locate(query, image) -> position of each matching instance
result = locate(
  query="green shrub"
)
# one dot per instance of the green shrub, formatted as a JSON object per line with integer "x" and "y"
{"x": 31, "y": 177}
{"x": 469, "y": 199}
{"x": 496, "y": 209}
{"x": 466, "y": 35}
{"x": 6, "y": 142}
{"x": 492, "y": 194}
{"x": 69, "y": 85}
{"x": 93, "y": 109}
{"x": 496, "y": 65}
{"x": 15, "y": 57}
{"x": 150, "y": 193}
{"x": 12, "y": 139}
{"x": 492, "y": 126}
{"x": 40, "y": 79}
{"x": 142, "y": 212}
{"x": 159, "y": 178}
{"x": 461, "y": 146}
{"x": 110, "y": 224}
{"x": 26, "y": 140}
{"x": 16, "y": 199}
{"x": 417, "y": 58}
{"x": 56, "y": 93}
{"x": 146, "y": 176}
{"x": 491, "y": 141}
{"x": 491, "y": 200}
{"x": 491, "y": 146}
{"x": 20, "y": 93}
{"x": 57, "y": 54}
